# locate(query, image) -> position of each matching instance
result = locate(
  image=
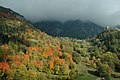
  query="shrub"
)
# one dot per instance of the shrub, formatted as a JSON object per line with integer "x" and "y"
{"x": 104, "y": 71}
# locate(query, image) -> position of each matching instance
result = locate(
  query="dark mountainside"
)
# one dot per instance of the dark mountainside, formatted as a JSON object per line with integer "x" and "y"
{"x": 72, "y": 28}
{"x": 26, "y": 53}
{"x": 117, "y": 26}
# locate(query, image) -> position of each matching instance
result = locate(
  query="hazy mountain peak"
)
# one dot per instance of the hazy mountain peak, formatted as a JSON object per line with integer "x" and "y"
{"x": 71, "y": 28}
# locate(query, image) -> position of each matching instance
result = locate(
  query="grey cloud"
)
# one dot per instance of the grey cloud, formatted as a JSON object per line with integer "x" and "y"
{"x": 102, "y": 12}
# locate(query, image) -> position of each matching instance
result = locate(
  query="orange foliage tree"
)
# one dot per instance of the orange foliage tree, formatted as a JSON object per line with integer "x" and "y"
{"x": 47, "y": 52}
{"x": 4, "y": 66}
{"x": 51, "y": 64}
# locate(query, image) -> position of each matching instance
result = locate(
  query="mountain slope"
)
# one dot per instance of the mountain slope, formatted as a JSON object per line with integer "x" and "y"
{"x": 26, "y": 53}
{"x": 117, "y": 27}
{"x": 73, "y": 28}
{"x": 111, "y": 40}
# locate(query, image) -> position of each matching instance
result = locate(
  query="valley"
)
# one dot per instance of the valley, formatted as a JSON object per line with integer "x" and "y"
{"x": 28, "y": 53}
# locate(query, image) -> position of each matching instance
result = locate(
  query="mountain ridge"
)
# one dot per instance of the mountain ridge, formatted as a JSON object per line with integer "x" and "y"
{"x": 71, "y": 28}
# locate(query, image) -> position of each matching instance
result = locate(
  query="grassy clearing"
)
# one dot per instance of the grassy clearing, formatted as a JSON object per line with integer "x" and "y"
{"x": 115, "y": 78}
{"x": 87, "y": 77}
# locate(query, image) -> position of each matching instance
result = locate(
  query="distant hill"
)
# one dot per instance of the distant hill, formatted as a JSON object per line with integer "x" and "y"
{"x": 53, "y": 28}
{"x": 110, "y": 39}
{"x": 117, "y": 26}
{"x": 72, "y": 28}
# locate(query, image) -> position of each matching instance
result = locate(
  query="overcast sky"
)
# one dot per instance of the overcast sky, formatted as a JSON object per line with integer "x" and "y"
{"x": 102, "y": 12}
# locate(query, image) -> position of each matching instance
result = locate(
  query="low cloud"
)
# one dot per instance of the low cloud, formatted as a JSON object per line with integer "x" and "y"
{"x": 102, "y": 12}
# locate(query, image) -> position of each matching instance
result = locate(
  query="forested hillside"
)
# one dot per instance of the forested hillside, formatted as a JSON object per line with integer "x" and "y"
{"x": 27, "y": 53}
